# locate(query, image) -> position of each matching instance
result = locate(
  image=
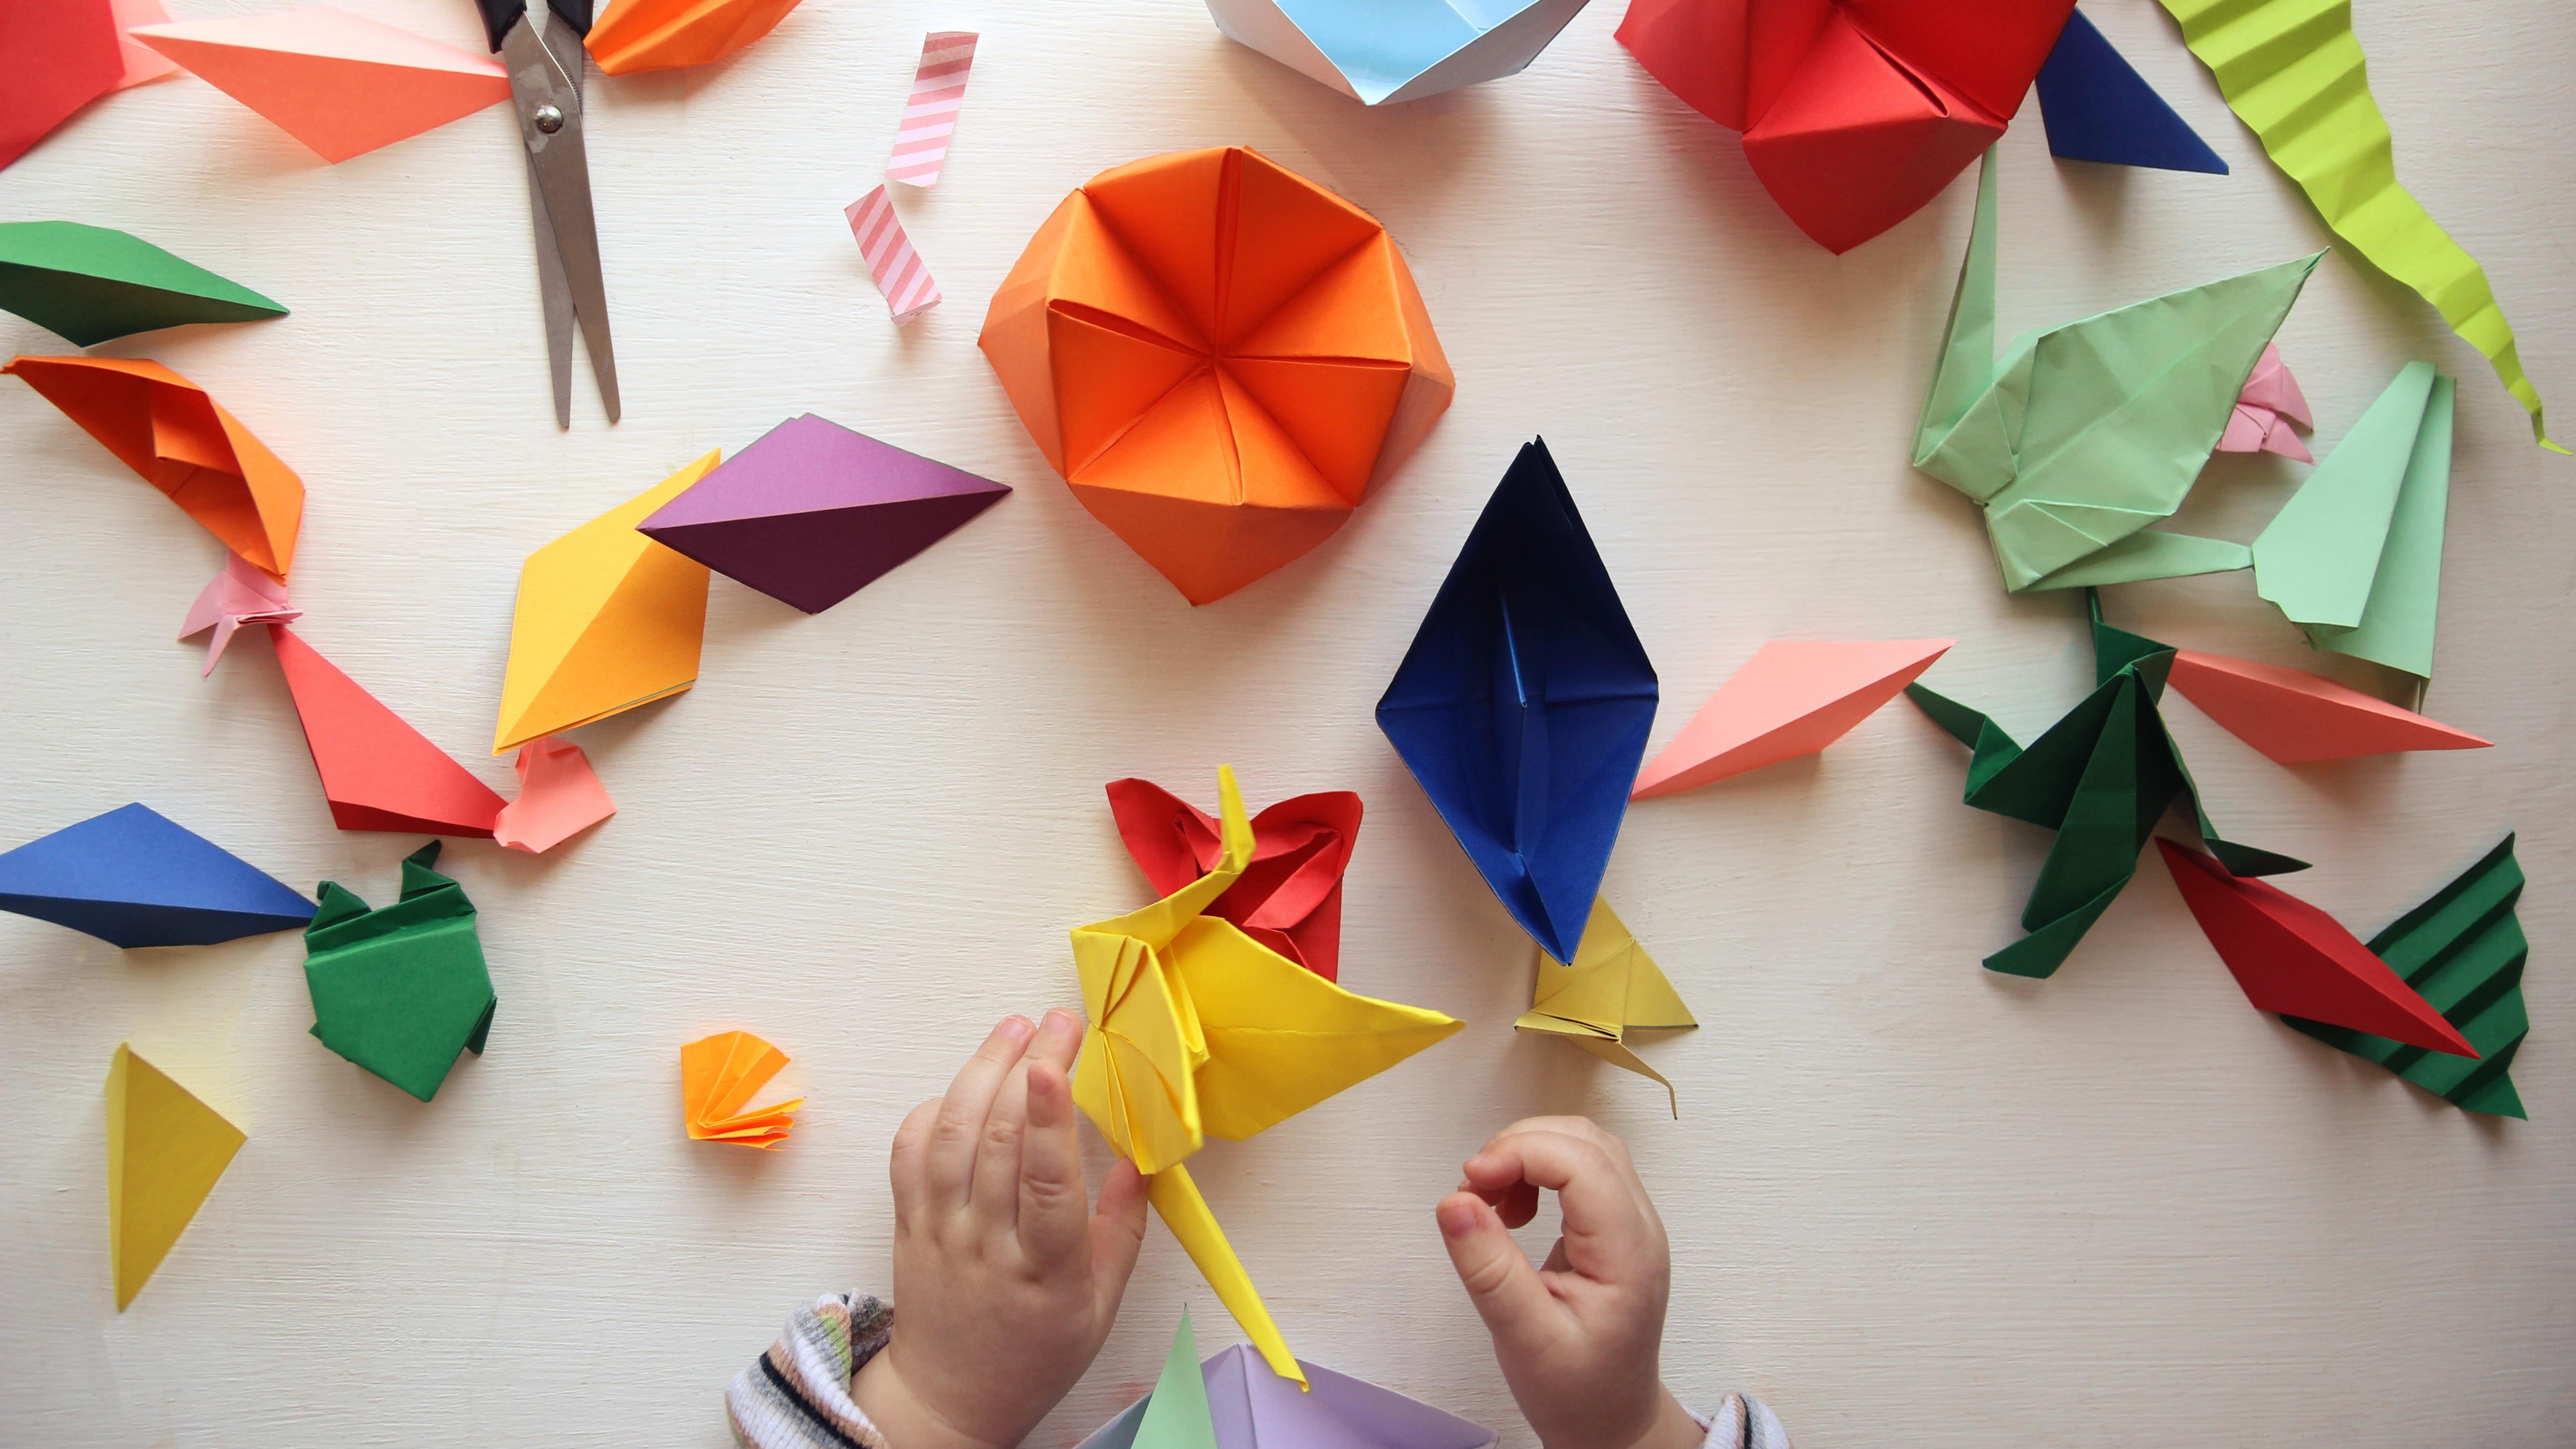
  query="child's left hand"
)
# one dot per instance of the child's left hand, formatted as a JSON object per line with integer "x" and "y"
{"x": 1005, "y": 1284}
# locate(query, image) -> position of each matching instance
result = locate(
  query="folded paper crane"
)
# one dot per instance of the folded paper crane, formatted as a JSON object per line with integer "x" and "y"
{"x": 241, "y": 594}
{"x": 1523, "y": 704}
{"x": 607, "y": 619}
{"x": 1854, "y": 112}
{"x": 717, "y": 1077}
{"x": 340, "y": 83}
{"x": 94, "y": 283}
{"x": 402, "y": 990}
{"x": 2355, "y": 557}
{"x": 2267, "y": 410}
{"x": 1378, "y": 51}
{"x": 1612, "y": 988}
{"x": 2080, "y": 436}
{"x": 165, "y": 1152}
{"x": 60, "y": 55}
{"x": 1231, "y": 1402}
{"x": 2295, "y": 717}
{"x": 182, "y": 442}
{"x": 1792, "y": 698}
{"x": 559, "y": 797}
{"x": 1289, "y": 898}
{"x": 132, "y": 877}
{"x": 811, "y": 512}
{"x": 2463, "y": 951}
{"x": 633, "y": 35}
{"x": 2296, "y": 960}
{"x": 1197, "y": 1030}
{"x": 377, "y": 771}
{"x": 2101, "y": 777}
{"x": 2098, "y": 108}
{"x": 1221, "y": 357}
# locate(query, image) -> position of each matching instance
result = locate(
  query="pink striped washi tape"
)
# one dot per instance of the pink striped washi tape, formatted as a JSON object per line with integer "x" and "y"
{"x": 909, "y": 290}
{"x": 938, "y": 87}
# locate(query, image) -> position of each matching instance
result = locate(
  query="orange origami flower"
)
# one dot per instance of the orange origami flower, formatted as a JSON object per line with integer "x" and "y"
{"x": 1221, "y": 358}
{"x": 182, "y": 442}
{"x": 718, "y": 1076}
{"x": 633, "y": 35}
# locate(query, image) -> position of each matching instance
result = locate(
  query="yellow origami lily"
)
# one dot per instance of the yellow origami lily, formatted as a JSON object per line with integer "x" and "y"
{"x": 1197, "y": 1031}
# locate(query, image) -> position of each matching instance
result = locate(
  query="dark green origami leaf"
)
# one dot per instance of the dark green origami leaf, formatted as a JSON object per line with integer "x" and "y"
{"x": 2101, "y": 777}
{"x": 2464, "y": 951}
{"x": 400, "y": 991}
{"x": 92, "y": 283}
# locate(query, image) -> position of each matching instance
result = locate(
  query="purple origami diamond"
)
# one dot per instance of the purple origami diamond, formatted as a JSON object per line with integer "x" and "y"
{"x": 811, "y": 512}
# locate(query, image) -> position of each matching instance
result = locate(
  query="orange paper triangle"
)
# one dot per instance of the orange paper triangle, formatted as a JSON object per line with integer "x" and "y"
{"x": 633, "y": 35}
{"x": 718, "y": 1075}
{"x": 2295, "y": 717}
{"x": 377, "y": 771}
{"x": 1790, "y": 699}
{"x": 341, "y": 84}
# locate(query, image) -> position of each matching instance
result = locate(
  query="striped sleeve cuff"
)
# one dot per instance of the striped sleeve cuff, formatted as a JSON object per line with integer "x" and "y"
{"x": 1743, "y": 1422}
{"x": 797, "y": 1395}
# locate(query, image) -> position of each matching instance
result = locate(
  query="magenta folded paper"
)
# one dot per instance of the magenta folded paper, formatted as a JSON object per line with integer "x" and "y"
{"x": 812, "y": 512}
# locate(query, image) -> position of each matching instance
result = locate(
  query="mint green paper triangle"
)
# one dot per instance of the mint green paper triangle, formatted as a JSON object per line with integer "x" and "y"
{"x": 1177, "y": 1416}
{"x": 93, "y": 283}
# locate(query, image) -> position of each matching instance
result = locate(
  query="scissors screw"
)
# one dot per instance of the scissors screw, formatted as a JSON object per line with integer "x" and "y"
{"x": 549, "y": 119}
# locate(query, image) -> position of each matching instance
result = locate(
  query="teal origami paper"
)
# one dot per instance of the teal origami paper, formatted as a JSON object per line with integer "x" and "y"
{"x": 2463, "y": 950}
{"x": 2355, "y": 557}
{"x": 2080, "y": 436}
{"x": 2101, "y": 777}
{"x": 93, "y": 283}
{"x": 401, "y": 991}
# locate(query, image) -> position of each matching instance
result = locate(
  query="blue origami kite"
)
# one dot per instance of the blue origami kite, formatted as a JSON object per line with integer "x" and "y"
{"x": 1524, "y": 703}
{"x": 1396, "y": 50}
{"x": 132, "y": 878}
{"x": 2098, "y": 108}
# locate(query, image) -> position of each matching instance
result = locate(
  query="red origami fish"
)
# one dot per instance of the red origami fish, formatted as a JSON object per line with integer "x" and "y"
{"x": 1290, "y": 897}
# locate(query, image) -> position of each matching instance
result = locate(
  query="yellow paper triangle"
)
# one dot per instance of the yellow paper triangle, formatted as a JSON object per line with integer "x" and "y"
{"x": 1612, "y": 988}
{"x": 607, "y": 619}
{"x": 165, "y": 1150}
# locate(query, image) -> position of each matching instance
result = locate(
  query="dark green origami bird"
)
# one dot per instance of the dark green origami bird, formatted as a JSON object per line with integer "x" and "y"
{"x": 2101, "y": 777}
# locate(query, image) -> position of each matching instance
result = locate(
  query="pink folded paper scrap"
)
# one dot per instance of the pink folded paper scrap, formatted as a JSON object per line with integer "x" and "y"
{"x": 906, "y": 283}
{"x": 559, "y": 797}
{"x": 2267, "y": 407}
{"x": 242, "y": 594}
{"x": 1792, "y": 698}
{"x": 930, "y": 117}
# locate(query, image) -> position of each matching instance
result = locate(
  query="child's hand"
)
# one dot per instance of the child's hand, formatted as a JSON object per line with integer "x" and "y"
{"x": 1004, "y": 1283}
{"x": 1578, "y": 1339}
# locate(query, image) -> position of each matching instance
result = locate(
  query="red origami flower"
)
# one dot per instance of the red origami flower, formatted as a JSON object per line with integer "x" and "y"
{"x": 1290, "y": 897}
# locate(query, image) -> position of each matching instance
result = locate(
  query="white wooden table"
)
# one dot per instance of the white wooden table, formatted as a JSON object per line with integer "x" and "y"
{"x": 1912, "y": 1203}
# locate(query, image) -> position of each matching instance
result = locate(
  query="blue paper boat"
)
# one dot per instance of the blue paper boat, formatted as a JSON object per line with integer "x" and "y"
{"x": 1396, "y": 50}
{"x": 2098, "y": 108}
{"x": 133, "y": 878}
{"x": 1524, "y": 703}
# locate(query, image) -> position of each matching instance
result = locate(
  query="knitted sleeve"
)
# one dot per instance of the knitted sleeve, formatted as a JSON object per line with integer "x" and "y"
{"x": 797, "y": 1395}
{"x": 1742, "y": 1422}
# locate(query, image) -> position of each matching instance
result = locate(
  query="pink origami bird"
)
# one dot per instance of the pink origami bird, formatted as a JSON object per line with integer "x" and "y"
{"x": 2267, "y": 407}
{"x": 242, "y": 594}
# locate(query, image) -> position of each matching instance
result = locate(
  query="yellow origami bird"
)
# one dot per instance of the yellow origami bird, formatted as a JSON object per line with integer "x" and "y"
{"x": 1198, "y": 1030}
{"x": 1612, "y": 989}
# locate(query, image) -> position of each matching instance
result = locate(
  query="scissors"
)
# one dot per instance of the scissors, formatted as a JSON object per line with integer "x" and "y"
{"x": 542, "y": 51}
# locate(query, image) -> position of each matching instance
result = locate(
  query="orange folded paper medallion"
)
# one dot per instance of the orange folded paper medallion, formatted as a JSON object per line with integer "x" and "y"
{"x": 718, "y": 1076}
{"x": 1220, "y": 356}
{"x": 182, "y": 442}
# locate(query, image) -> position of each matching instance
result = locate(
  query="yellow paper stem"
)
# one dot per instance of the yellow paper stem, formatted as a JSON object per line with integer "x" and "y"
{"x": 1186, "y": 1213}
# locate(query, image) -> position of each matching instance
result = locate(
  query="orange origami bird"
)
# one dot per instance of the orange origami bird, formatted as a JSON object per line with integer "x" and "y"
{"x": 718, "y": 1075}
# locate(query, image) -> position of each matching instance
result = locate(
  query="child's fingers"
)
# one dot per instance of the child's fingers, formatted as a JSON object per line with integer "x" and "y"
{"x": 904, "y": 1165}
{"x": 949, "y": 1159}
{"x": 1117, "y": 1233}
{"x": 1517, "y": 1308}
{"x": 993, "y": 1191}
{"x": 1053, "y": 1215}
{"x": 1059, "y": 1038}
{"x": 1607, "y": 1232}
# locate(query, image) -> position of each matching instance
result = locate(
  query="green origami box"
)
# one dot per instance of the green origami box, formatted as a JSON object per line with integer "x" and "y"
{"x": 403, "y": 990}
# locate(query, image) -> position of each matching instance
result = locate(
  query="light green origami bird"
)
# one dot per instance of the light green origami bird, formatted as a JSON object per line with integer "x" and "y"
{"x": 2080, "y": 436}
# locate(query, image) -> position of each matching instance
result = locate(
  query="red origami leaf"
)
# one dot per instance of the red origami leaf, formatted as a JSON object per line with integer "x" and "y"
{"x": 378, "y": 772}
{"x": 1289, "y": 898}
{"x": 2296, "y": 960}
{"x": 2295, "y": 717}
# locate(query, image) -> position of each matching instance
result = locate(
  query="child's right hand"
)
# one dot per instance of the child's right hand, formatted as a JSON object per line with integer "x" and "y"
{"x": 1578, "y": 1339}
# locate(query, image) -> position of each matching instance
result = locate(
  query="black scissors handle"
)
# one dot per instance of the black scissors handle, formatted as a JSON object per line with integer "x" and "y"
{"x": 500, "y": 15}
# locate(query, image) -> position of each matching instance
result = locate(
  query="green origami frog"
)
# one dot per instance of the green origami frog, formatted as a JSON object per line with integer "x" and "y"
{"x": 403, "y": 990}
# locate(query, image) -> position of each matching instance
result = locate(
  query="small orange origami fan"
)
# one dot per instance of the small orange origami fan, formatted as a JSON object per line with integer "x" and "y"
{"x": 718, "y": 1075}
{"x": 1220, "y": 356}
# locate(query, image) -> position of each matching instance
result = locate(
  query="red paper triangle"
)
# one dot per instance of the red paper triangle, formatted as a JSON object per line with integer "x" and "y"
{"x": 2296, "y": 960}
{"x": 2295, "y": 717}
{"x": 377, "y": 771}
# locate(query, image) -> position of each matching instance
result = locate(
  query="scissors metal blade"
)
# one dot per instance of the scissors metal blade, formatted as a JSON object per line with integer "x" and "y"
{"x": 559, "y": 195}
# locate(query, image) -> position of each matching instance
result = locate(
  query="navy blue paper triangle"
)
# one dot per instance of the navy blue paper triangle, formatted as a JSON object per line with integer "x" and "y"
{"x": 132, "y": 878}
{"x": 2100, "y": 109}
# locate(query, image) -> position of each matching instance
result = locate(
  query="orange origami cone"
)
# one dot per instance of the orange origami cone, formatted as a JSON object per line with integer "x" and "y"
{"x": 1221, "y": 358}
{"x": 340, "y": 84}
{"x": 182, "y": 442}
{"x": 718, "y": 1075}
{"x": 377, "y": 771}
{"x": 2295, "y": 717}
{"x": 633, "y": 35}
{"x": 1790, "y": 699}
